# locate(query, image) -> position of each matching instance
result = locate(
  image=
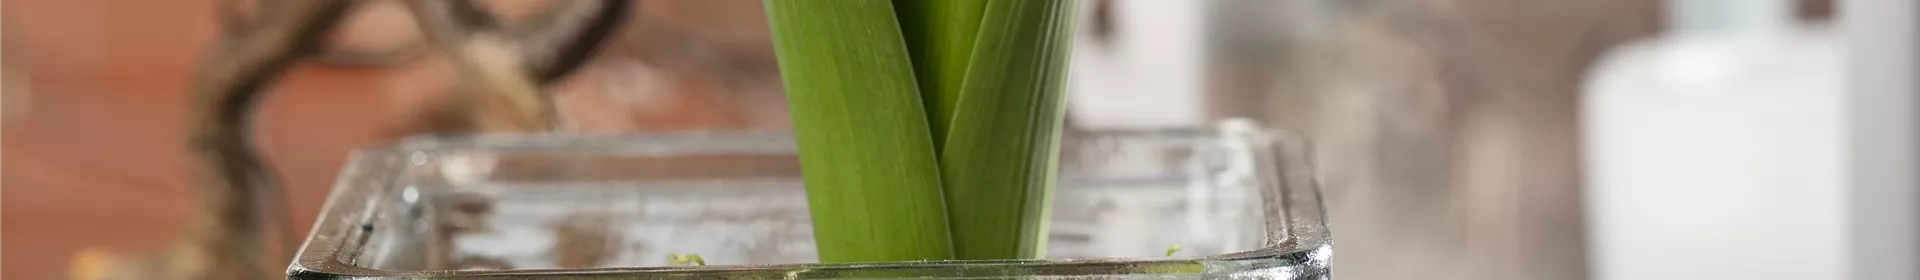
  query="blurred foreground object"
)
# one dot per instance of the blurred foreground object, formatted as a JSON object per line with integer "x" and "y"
{"x": 1719, "y": 148}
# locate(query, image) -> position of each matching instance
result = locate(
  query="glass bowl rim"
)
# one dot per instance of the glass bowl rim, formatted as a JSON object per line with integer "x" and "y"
{"x": 1297, "y": 236}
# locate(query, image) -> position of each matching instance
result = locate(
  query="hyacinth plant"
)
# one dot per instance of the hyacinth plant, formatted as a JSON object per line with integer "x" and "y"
{"x": 927, "y": 129}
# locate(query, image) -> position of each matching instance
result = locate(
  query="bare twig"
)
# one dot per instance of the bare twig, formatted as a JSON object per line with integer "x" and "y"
{"x": 549, "y": 47}
{"x": 340, "y": 55}
{"x": 507, "y": 98}
{"x": 512, "y": 67}
{"x": 238, "y": 16}
{"x": 563, "y": 39}
{"x": 225, "y": 241}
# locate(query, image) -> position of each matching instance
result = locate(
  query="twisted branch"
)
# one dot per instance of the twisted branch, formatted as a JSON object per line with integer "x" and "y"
{"x": 225, "y": 238}
{"x": 511, "y": 66}
{"x": 548, "y": 48}
{"x": 236, "y": 186}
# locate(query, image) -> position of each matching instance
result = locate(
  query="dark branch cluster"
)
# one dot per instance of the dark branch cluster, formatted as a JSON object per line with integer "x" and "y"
{"x": 260, "y": 42}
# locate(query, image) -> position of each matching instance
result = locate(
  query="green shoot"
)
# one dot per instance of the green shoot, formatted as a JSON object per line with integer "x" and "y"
{"x": 866, "y": 151}
{"x": 928, "y": 130}
{"x": 940, "y": 36}
{"x": 999, "y": 157}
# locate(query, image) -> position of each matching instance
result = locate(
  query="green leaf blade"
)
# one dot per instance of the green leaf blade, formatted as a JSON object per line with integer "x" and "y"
{"x": 940, "y": 36}
{"x": 866, "y": 150}
{"x": 998, "y": 160}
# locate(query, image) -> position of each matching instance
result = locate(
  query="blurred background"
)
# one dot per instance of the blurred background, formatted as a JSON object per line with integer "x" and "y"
{"x": 1456, "y": 139}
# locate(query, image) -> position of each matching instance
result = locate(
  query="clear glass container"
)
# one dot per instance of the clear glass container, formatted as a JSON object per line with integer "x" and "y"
{"x": 1236, "y": 201}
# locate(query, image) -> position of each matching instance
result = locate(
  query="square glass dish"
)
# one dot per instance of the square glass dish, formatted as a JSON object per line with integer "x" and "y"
{"x": 1230, "y": 202}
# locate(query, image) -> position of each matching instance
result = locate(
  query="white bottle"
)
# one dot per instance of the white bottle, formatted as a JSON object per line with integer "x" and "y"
{"x": 1718, "y": 151}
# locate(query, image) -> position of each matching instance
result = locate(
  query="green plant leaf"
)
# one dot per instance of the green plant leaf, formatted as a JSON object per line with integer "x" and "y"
{"x": 940, "y": 36}
{"x": 687, "y": 259}
{"x": 998, "y": 159}
{"x": 866, "y": 153}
